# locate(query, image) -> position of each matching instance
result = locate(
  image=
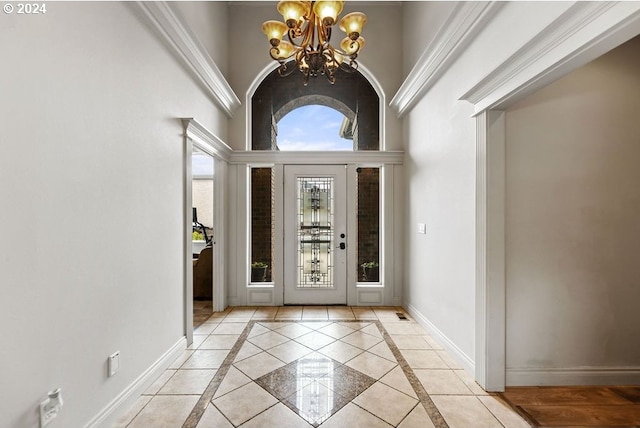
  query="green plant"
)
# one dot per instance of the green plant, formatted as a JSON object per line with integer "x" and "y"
{"x": 259, "y": 265}
{"x": 197, "y": 236}
{"x": 369, "y": 265}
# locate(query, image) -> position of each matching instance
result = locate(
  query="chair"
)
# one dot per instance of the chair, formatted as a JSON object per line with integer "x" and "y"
{"x": 203, "y": 275}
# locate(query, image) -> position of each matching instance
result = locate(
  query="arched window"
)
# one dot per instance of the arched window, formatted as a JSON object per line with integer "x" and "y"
{"x": 352, "y": 95}
{"x": 314, "y": 127}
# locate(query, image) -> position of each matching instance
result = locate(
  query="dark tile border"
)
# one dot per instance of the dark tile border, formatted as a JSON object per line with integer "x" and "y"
{"x": 207, "y": 396}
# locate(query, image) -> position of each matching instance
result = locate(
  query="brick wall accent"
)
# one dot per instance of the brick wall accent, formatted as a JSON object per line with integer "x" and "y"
{"x": 262, "y": 217}
{"x": 368, "y": 217}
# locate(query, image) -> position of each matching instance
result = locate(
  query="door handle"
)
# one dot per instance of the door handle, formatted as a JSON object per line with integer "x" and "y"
{"x": 343, "y": 245}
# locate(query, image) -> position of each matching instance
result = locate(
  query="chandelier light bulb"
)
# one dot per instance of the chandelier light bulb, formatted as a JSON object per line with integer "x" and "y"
{"x": 274, "y": 31}
{"x": 292, "y": 12}
{"x": 328, "y": 11}
{"x": 352, "y": 24}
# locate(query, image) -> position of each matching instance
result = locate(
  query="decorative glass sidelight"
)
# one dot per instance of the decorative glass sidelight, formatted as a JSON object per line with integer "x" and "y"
{"x": 368, "y": 225}
{"x": 315, "y": 232}
{"x": 262, "y": 225}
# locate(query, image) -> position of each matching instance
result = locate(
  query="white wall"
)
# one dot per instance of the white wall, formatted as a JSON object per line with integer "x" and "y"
{"x": 572, "y": 230}
{"x": 440, "y": 143}
{"x": 90, "y": 106}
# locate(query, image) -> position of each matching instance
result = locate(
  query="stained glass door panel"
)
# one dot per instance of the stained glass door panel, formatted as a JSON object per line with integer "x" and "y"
{"x": 315, "y": 228}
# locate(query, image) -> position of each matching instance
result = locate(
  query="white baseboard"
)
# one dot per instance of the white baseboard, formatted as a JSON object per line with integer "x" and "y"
{"x": 127, "y": 397}
{"x": 573, "y": 376}
{"x": 461, "y": 358}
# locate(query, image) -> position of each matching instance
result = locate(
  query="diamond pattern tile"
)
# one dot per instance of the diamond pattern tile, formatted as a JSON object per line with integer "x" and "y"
{"x": 296, "y": 367}
{"x": 315, "y": 386}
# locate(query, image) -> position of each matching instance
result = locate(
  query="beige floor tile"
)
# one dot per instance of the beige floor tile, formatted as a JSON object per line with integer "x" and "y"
{"x": 165, "y": 411}
{"x": 315, "y": 313}
{"x": 315, "y": 340}
{"x": 382, "y": 350}
{"x": 357, "y": 325}
{"x": 338, "y": 313}
{"x": 470, "y": 382}
{"x": 206, "y": 359}
{"x": 230, "y": 328}
{"x": 289, "y": 351}
{"x": 464, "y": 412}
{"x": 449, "y": 360}
{"x": 364, "y": 314}
{"x": 410, "y": 341}
{"x": 340, "y": 351}
{"x": 503, "y": 412}
{"x": 371, "y": 329}
{"x": 293, "y": 330}
{"x": 361, "y": 340}
{"x": 315, "y": 325}
{"x": 244, "y": 403}
{"x": 396, "y": 404}
{"x": 187, "y": 382}
{"x": 423, "y": 359}
{"x": 289, "y": 312}
{"x": 213, "y": 418}
{"x": 232, "y": 381}
{"x": 133, "y": 411}
{"x": 434, "y": 343}
{"x": 219, "y": 341}
{"x": 336, "y": 330}
{"x": 276, "y": 325}
{"x": 279, "y": 416}
{"x": 257, "y": 330}
{"x": 242, "y": 312}
{"x": 418, "y": 418}
{"x": 441, "y": 382}
{"x": 269, "y": 340}
{"x": 371, "y": 365}
{"x": 247, "y": 350}
{"x": 159, "y": 383}
{"x": 197, "y": 340}
{"x": 178, "y": 362}
{"x": 258, "y": 365}
{"x": 205, "y": 328}
{"x": 353, "y": 416}
{"x": 402, "y": 327}
{"x": 398, "y": 380}
{"x": 265, "y": 313}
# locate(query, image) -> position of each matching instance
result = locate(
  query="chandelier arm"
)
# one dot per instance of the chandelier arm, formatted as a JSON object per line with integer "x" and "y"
{"x": 284, "y": 71}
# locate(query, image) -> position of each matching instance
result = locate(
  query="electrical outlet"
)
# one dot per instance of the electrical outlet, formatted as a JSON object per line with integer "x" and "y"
{"x": 46, "y": 416}
{"x": 50, "y": 407}
{"x": 114, "y": 363}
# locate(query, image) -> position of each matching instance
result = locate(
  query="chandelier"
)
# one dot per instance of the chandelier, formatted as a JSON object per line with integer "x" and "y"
{"x": 308, "y": 25}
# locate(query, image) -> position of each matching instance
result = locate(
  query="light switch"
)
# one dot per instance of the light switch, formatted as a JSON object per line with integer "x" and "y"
{"x": 114, "y": 363}
{"x": 422, "y": 228}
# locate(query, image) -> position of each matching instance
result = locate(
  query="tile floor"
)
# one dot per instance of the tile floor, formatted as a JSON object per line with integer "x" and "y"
{"x": 317, "y": 366}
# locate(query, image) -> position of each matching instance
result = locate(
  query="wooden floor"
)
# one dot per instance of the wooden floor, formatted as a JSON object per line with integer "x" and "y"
{"x": 611, "y": 406}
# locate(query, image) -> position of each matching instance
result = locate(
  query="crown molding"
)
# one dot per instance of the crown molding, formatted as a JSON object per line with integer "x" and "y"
{"x": 465, "y": 21}
{"x": 186, "y": 46}
{"x": 583, "y": 32}
{"x": 206, "y": 140}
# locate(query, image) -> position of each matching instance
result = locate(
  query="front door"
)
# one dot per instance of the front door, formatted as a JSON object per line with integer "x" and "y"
{"x": 315, "y": 231}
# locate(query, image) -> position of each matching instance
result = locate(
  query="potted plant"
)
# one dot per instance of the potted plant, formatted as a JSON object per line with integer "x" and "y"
{"x": 370, "y": 271}
{"x": 259, "y": 271}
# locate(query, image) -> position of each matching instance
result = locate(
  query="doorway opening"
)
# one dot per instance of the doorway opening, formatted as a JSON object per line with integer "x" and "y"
{"x": 202, "y": 201}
